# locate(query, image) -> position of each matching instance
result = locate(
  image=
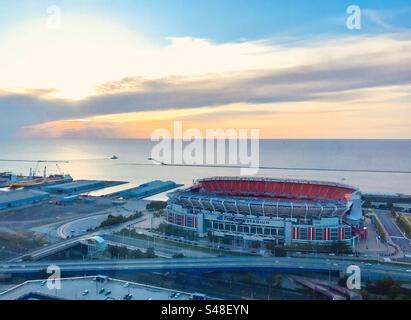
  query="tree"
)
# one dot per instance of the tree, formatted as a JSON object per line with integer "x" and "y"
{"x": 340, "y": 247}
{"x": 158, "y": 213}
{"x": 387, "y": 287}
{"x": 156, "y": 205}
{"x": 274, "y": 280}
{"x": 279, "y": 252}
{"x": 269, "y": 245}
{"x": 27, "y": 258}
{"x": 343, "y": 281}
{"x": 255, "y": 245}
{"x": 250, "y": 277}
{"x": 150, "y": 253}
{"x": 112, "y": 220}
{"x": 367, "y": 204}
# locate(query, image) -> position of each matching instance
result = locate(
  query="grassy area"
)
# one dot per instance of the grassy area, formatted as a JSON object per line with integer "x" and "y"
{"x": 404, "y": 222}
{"x": 379, "y": 228}
{"x": 408, "y": 218}
{"x": 385, "y": 289}
{"x": 22, "y": 239}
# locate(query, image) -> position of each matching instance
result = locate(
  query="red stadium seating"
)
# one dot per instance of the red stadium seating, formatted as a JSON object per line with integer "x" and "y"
{"x": 275, "y": 189}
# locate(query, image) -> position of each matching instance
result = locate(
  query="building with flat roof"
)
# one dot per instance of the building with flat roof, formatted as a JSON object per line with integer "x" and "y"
{"x": 18, "y": 198}
{"x": 150, "y": 188}
{"x": 75, "y": 187}
{"x": 91, "y": 288}
{"x": 136, "y": 191}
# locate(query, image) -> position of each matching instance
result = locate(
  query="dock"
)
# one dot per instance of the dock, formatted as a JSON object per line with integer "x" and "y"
{"x": 80, "y": 186}
{"x": 136, "y": 191}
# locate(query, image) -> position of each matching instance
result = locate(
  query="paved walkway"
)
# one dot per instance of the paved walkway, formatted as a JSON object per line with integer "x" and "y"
{"x": 372, "y": 245}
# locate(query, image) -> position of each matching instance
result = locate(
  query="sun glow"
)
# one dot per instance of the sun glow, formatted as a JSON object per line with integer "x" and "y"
{"x": 69, "y": 61}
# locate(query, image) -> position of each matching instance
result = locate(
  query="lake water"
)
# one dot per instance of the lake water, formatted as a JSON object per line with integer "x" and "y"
{"x": 90, "y": 160}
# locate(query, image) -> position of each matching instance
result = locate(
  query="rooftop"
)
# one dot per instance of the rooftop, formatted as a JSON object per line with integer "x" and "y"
{"x": 76, "y": 288}
{"x": 18, "y": 195}
{"x": 75, "y": 184}
{"x": 134, "y": 189}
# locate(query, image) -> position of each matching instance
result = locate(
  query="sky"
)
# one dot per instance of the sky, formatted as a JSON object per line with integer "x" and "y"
{"x": 293, "y": 69}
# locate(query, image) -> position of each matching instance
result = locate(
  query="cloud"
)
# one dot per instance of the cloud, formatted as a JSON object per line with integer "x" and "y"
{"x": 335, "y": 69}
{"x": 377, "y": 17}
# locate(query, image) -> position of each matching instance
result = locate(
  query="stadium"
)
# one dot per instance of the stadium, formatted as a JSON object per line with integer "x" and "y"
{"x": 281, "y": 211}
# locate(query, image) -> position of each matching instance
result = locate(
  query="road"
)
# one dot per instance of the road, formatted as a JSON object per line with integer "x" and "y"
{"x": 394, "y": 233}
{"x": 51, "y": 249}
{"x": 159, "y": 248}
{"x": 301, "y": 265}
{"x": 80, "y": 225}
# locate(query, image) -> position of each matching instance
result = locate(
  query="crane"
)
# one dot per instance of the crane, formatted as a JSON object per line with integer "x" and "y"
{"x": 59, "y": 170}
{"x": 36, "y": 168}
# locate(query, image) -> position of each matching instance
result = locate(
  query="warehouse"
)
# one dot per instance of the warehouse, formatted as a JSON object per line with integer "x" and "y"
{"x": 18, "y": 198}
{"x": 75, "y": 187}
{"x": 132, "y": 190}
{"x": 150, "y": 188}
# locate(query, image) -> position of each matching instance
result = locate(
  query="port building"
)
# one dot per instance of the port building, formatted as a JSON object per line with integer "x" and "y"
{"x": 136, "y": 191}
{"x": 75, "y": 187}
{"x": 18, "y": 198}
{"x": 150, "y": 188}
{"x": 280, "y": 211}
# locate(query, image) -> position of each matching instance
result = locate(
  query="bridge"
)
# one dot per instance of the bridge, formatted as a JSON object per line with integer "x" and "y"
{"x": 161, "y": 250}
{"x": 261, "y": 264}
{"x": 49, "y": 250}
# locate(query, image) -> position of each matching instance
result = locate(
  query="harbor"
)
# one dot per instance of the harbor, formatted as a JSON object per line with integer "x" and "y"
{"x": 32, "y": 208}
{"x": 19, "y": 190}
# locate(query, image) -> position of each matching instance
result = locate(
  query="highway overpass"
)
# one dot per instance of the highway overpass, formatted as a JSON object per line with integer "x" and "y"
{"x": 289, "y": 265}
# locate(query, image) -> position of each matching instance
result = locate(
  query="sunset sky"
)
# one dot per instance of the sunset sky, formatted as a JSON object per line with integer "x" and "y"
{"x": 121, "y": 69}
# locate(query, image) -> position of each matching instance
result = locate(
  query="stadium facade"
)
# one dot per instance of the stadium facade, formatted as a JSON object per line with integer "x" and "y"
{"x": 280, "y": 211}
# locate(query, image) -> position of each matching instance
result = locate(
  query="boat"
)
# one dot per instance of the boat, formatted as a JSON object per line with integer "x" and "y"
{"x": 5, "y": 178}
{"x": 33, "y": 181}
{"x": 26, "y": 183}
{"x": 38, "y": 181}
{"x": 114, "y": 157}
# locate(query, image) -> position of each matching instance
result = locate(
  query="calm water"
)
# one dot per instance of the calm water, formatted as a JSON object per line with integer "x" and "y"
{"x": 89, "y": 160}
